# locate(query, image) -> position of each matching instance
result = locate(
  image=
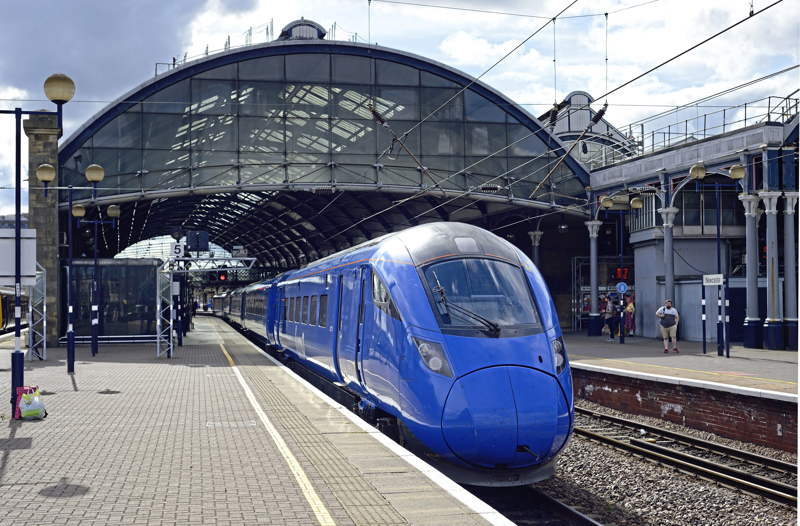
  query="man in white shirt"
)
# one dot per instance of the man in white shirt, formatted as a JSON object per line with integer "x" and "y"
{"x": 669, "y": 325}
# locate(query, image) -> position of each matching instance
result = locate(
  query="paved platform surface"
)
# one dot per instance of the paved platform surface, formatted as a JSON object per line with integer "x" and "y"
{"x": 752, "y": 368}
{"x": 135, "y": 439}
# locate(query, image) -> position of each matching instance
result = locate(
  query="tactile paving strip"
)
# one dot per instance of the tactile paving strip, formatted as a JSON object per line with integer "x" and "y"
{"x": 362, "y": 501}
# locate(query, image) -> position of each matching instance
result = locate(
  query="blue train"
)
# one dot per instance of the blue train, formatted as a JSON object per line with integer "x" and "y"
{"x": 446, "y": 330}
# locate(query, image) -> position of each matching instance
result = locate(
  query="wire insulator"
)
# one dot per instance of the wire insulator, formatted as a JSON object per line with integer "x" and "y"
{"x": 599, "y": 115}
{"x": 553, "y": 116}
{"x": 378, "y": 116}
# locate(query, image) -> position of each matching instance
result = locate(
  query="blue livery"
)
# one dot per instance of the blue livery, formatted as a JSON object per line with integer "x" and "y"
{"x": 444, "y": 328}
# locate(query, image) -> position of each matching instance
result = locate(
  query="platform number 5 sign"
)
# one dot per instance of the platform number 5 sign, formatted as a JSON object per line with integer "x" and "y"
{"x": 176, "y": 250}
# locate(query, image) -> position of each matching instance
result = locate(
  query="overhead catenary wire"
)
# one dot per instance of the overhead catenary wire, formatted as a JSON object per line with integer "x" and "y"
{"x": 712, "y": 37}
{"x": 626, "y": 83}
{"x": 698, "y": 102}
{"x": 651, "y": 70}
{"x": 461, "y": 91}
{"x": 504, "y": 13}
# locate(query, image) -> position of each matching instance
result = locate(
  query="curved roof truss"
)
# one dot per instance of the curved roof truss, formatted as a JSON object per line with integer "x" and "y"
{"x": 274, "y": 147}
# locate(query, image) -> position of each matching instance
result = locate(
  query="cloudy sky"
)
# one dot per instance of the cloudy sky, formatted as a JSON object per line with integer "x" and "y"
{"x": 109, "y": 48}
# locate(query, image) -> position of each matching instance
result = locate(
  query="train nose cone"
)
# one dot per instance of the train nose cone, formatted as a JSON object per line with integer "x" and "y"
{"x": 501, "y": 417}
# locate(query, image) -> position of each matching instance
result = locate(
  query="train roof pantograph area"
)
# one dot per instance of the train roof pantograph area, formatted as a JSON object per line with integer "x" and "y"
{"x": 274, "y": 147}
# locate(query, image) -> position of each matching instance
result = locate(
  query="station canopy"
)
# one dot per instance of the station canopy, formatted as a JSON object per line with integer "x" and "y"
{"x": 273, "y": 147}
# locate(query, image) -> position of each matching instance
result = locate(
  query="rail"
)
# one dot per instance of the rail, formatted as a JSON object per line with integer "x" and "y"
{"x": 730, "y": 476}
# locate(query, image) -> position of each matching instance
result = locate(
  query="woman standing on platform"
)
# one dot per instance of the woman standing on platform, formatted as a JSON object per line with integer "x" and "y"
{"x": 630, "y": 316}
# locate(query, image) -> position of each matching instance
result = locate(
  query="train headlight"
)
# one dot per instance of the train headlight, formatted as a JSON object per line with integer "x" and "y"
{"x": 433, "y": 357}
{"x": 559, "y": 354}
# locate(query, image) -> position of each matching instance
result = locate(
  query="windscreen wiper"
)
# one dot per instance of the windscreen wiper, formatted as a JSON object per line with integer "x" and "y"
{"x": 493, "y": 327}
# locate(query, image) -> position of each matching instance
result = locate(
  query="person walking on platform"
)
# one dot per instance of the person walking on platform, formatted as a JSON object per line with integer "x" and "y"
{"x": 669, "y": 325}
{"x": 611, "y": 320}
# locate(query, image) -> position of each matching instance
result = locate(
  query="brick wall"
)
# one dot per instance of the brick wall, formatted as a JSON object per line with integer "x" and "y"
{"x": 733, "y": 415}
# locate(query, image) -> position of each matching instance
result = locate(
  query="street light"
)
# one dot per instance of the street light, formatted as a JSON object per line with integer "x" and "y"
{"x": 736, "y": 173}
{"x": 58, "y": 86}
{"x": 60, "y": 89}
{"x": 95, "y": 174}
{"x": 45, "y": 173}
{"x": 698, "y": 171}
{"x": 631, "y": 207}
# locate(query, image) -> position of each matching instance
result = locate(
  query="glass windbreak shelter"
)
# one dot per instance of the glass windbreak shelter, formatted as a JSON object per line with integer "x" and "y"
{"x": 127, "y": 291}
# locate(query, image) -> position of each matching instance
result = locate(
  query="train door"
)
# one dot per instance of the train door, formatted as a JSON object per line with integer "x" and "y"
{"x": 351, "y": 323}
{"x": 269, "y": 314}
{"x": 335, "y": 302}
{"x": 280, "y": 316}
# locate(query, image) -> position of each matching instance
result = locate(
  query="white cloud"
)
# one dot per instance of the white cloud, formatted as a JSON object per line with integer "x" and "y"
{"x": 108, "y": 64}
{"x": 463, "y": 48}
{"x": 8, "y": 151}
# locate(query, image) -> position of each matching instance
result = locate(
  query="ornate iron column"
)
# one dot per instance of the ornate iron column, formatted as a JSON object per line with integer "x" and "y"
{"x": 536, "y": 238}
{"x": 668, "y": 216}
{"x": 790, "y": 271}
{"x": 753, "y": 335}
{"x": 773, "y": 325}
{"x": 595, "y": 321}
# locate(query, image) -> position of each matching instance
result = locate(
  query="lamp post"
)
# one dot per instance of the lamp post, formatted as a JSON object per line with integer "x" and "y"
{"x": 736, "y": 173}
{"x": 94, "y": 174}
{"x": 633, "y": 207}
{"x": 59, "y": 88}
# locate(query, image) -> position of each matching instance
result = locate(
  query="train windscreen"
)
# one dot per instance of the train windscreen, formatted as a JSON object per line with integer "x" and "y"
{"x": 476, "y": 292}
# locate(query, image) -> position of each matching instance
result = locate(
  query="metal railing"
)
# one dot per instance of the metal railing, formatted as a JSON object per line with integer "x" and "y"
{"x": 269, "y": 35}
{"x": 768, "y": 109}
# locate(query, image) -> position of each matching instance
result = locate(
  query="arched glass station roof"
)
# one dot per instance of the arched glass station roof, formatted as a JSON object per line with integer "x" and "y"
{"x": 273, "y": 147}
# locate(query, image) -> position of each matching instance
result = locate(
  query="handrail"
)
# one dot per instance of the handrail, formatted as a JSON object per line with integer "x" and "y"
{"x": 781, "y": 110}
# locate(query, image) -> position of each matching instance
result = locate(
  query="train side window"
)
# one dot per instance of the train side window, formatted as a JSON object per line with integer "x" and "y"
{"x": 297, "y": 309}
{"x": 305, "y": 309}
{"x": 285, "y": 308}
{"x": 323, "y": 310}
{"x": 382, "y": 299}
{"x": 291, "y": 309}
{"x": 312, "y": 316}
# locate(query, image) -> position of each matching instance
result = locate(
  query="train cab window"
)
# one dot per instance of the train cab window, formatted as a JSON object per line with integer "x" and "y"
{"x": 492, "y": 289}
{"x": 382, "y": 299}
{"x": 312, "y": 316}
{"x": 291, "y": 309}
{"x": 323, "y": 310}
{"x": 305, "y": 309}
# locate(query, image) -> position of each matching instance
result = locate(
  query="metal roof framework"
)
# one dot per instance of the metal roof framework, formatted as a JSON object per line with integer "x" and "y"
{"x": 273, "y": 147}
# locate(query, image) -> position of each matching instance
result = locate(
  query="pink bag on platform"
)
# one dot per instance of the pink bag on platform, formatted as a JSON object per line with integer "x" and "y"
{"x": 25, "y": 389}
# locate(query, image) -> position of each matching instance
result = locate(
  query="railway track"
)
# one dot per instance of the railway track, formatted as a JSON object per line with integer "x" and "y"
{"x": 523, "y": 505}
{"x": 755, "y": 474}
{"x": 529, "y": 506}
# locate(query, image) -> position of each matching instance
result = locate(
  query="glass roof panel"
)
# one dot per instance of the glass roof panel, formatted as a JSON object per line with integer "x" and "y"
{"x": 244, "y": 124}
{"x": 266, "y": 68}
{"x": 174, "y": 98}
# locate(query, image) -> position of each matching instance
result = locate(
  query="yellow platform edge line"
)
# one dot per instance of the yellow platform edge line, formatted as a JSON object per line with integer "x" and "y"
{"x": 587, "y": 358}
{"x": 317, "y": 506}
